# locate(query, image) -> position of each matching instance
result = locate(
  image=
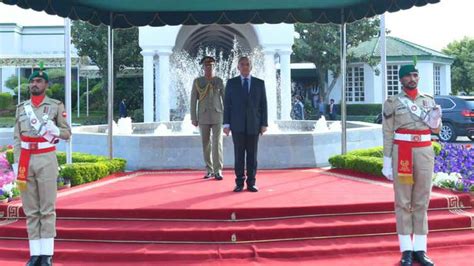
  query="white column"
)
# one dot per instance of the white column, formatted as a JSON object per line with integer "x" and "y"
{"x": 285, "y": 83}
{"x": 163, "y": 90}
{"x": 156, "y": 63}
{"x": 270, "y": 84}
{"x": 147, "y": 85}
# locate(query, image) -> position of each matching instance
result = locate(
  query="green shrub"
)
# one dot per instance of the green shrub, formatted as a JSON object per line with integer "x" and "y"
{"x": 368, "y": 161}
{"x": 80, "y": 173}
{"x": 6, "y": 101}
{"x": 85, "y": 167}
{"x": 361, "y": 109}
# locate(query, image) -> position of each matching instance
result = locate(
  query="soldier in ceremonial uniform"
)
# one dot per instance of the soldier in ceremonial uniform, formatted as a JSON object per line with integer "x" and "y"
{"x": 409, "y": 118}
{"x": 40, "y": 123}
{"x": 207, "y": 97}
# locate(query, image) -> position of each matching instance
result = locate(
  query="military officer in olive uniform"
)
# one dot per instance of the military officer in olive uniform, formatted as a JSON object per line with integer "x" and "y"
{"x": 40, "y": 123}
{"x": 409, "y": 118}
{"x": 207, "y": 97}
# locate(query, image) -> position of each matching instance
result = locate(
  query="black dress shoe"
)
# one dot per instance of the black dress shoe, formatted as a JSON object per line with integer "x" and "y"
{"x": 422, "y": 258}
{"x": 218, "y": 177}
{"x": 407, "y": 258}
{"x": 209, "y": 175}
{"x": 252, "y": 188}
{"x": 46, "y": 260}
{"x": 238, "y": 188}
{"x": 34, "y": 261}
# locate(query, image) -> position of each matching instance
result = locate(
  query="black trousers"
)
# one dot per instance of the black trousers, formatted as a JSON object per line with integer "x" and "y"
{"x": 245, "y": 154}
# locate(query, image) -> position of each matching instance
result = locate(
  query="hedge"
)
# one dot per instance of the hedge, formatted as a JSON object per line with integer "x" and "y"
{"x": 361, "y": 109}
{"x": 368, "y": 161}
{"x": 85, "y": 167}
{"x": 6, "y": 100}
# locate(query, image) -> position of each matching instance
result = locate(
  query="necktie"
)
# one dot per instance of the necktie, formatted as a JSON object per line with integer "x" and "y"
{"x": 246, "y": 85}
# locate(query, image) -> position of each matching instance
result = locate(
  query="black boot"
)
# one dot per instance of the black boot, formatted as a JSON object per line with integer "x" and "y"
{"x": 407, "y": 258}
{"x": 34, "y": 261}
{"x": 46, "y": 260}
{"x": 423, "y": 259}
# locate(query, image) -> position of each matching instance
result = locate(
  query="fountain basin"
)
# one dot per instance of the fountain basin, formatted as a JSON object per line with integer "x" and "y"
{"x": 294, "y": 145}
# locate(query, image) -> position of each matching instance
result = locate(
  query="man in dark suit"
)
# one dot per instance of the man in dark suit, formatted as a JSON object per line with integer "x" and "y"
{"x": 332, "y": 110}
{"x": 245, "y": 114}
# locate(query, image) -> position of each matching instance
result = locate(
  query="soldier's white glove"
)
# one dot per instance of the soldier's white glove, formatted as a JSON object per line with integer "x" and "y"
{"x": 15, "y": 169}
{"x": 433, "y": 118}
{"x": 387, "y": 168}
{"x": 52, "y": 128}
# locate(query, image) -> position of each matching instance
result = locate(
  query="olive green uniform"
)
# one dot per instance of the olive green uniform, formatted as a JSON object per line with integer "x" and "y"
{"x": 207, "y": 98}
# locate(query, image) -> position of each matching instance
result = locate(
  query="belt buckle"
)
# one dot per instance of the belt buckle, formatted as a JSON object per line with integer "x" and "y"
{"x": 33, "y": 146}
{"x": 416, "y": 138}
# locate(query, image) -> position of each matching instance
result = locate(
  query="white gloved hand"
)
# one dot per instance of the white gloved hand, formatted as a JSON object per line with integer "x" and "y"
{"x": 387, "y": 169}
{"x": 433, "y": 118}
{"x": 15, "y": 169}
{"x": 52, "y": 128}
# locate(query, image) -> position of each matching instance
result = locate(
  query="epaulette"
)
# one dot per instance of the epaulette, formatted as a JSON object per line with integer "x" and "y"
{"x": 391, "y": 98}
{"x": 20, "y": 104}
{"x": 427, "y": 95}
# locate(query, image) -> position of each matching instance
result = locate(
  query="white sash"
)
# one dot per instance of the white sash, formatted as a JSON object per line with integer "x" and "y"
{"x": 39, "y": 125}
{"x": 414, "y": 109}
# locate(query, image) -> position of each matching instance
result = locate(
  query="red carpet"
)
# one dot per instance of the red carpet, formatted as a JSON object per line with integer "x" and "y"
{"x": 178, "y": 217}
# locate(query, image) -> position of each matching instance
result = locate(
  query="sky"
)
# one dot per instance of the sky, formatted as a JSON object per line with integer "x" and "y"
{"x": 432, "y": 26}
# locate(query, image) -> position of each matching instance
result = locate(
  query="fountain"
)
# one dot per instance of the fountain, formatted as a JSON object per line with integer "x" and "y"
{"x": 177, "y": 144}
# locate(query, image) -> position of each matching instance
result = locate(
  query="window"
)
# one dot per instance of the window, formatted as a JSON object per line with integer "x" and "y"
{"x": 437, "y": 80}
{"x": 393, "y": 83}
{"x": 445, "y": 103}
{"x": 355, "y": 84}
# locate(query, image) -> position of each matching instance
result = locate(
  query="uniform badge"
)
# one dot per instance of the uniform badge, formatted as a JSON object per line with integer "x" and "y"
{"x": 46, "y": 110}
{"x": 34, "y": 121}
{"x": 404, "y": 165}
{"x": 64, "y": 114}
{"x": 414, "y": 108}
{"x": 425, "y": 103}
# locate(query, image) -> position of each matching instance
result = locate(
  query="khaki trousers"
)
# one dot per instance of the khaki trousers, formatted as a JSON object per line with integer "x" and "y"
{"x": 411, "y": 201}
{"x": 212, "y": 144}
{"x": 39, "y": 198}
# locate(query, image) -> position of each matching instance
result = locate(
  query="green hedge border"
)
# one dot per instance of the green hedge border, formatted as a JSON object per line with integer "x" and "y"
{"x": 369, "y": 161}
{"x": 85, "y": 167}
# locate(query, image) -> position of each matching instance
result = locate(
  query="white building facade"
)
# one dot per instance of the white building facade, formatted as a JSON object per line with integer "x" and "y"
{"x": 364, "y": 82}
{"x": 23, "y": 47}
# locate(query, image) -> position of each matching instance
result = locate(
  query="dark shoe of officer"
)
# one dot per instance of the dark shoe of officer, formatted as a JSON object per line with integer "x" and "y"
{"x": 422, "y": 258}
{"x": 238, "y": 188}
{"x": 209, "y": 175}
{"x": 34, "y": 261}
{"x": 218, "y": 176}
{"x": 252, "y": 188}
{"x": 407, "y": 258}
{"x": 46, "y": 260}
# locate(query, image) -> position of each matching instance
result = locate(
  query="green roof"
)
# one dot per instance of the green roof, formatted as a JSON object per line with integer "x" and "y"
{"x": 128, "y": 13}
{"x": 399, "y": 49}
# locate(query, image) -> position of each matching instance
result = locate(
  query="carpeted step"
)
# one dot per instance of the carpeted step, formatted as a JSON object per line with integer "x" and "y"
{"x": 317, "y": 250}
{"x": 211, "y": 231}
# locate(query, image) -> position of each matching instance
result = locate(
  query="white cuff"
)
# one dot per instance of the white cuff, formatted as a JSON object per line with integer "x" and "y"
{"x": 420, "y": 242}
{"x": 35, "y": 247}
{"x": 405, "y": 243}
{"x": 47, "y": 246}
{"x": 226, "y": 125}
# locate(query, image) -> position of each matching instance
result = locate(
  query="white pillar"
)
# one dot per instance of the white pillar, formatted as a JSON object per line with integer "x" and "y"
{"x": 87, "y": 96}
{"x": 78, "y": 92}
{"x": 156, "y": 64}
{"x": 285, "y": 83}
{"x": 163, "y": 90}
{"x": 270, "y": 84}
{"x": 147, "y": 85}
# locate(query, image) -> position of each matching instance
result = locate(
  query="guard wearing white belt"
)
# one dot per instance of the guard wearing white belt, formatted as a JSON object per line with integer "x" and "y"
{"x": 40, "y": 123}
{"x": 409, "y": 118}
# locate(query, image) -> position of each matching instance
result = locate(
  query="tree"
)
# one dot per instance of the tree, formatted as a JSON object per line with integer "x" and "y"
{"x": 462, "y": 70}
{"x": 91, "y": 41}
{"x": 320, "y": 44}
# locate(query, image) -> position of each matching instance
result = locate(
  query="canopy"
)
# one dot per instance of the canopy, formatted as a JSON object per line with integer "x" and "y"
{"x": 128, "y": 13}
